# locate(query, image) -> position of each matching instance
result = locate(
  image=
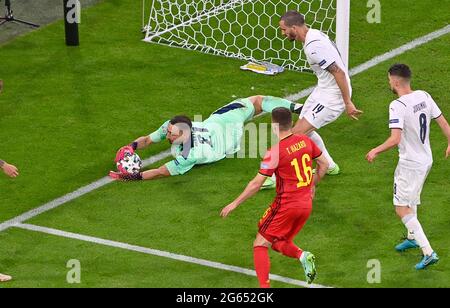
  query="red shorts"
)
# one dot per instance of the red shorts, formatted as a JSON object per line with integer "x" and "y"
{"x": 283, "y": 223}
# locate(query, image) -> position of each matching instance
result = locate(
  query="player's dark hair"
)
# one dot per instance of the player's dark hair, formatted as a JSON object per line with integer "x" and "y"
{"x": 401, "y": 70}
{"x": 283, "y": 117}
{"x": 181, "y": 119}
{"x": 293, "y": 18}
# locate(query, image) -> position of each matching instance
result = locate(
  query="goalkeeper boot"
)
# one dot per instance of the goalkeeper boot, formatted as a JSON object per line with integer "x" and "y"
{"x": 427, "y": 260}
{"x": 406, "y": 244}
{"x": 270, "y": 183}
{"x": 296, "y": 108}
{"x": 308, "y": 262}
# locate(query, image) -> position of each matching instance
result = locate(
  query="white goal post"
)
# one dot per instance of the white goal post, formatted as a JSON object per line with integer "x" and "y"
{"x": 243, "y": 29}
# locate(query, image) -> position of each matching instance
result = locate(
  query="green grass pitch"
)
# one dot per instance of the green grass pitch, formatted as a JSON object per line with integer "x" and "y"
{"x": 65, "y": 111}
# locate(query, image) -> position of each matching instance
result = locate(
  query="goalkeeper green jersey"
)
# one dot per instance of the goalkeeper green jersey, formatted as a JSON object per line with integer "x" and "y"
{"x": 206, "y": 145}
{"x": 210, "y": 141}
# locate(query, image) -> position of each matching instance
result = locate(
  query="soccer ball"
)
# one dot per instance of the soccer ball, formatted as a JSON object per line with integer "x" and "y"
{"x": 130, "y": 164}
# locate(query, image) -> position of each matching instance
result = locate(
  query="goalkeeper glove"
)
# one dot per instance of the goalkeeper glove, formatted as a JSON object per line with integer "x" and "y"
{"x": 125, "y": 177}
{"x": 124, "y": 151}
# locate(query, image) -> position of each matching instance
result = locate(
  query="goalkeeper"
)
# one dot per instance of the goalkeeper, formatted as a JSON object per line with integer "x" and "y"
{"x": 206, "y": 142}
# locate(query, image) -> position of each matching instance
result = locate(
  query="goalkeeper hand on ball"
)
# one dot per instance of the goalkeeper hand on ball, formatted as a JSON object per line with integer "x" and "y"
{"x": 128, "y": 164}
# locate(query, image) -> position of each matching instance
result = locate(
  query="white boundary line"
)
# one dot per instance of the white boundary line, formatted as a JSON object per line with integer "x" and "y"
{"x": 74, "y": 195}
{"x": 163, "y": 254}
{"x": 104, "y": 181}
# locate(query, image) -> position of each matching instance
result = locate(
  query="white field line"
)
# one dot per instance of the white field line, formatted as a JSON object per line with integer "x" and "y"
{"x": 74, "y": 195}
{"x": 102, "y": 182}
{"x": 164, "y": 254}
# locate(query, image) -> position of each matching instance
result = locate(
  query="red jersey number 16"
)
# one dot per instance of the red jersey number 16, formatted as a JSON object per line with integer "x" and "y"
{"x": 307, "y": 170}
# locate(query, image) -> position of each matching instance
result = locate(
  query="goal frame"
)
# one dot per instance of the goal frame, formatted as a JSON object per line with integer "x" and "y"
{"x": 342, "y": 25}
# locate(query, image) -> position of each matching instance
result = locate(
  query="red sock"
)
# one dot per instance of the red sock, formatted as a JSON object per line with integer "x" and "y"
{"x": 262, "y": 265}
{"x": 287, "y": 248}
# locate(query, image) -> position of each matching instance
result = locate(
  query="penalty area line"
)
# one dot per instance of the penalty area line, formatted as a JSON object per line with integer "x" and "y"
{"x": 164, "y": 254}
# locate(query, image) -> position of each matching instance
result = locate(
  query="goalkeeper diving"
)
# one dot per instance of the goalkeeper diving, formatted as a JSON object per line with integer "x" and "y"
{"x": 198, "y": 143}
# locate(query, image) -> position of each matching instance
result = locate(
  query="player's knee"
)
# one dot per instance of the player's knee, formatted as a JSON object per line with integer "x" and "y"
{"x": 303, "y": 127}
{"x": 260, "y": 241}
{"x": 257, "y": 102}
{"x": 259, "y": 244}
{"x": 402, "y": 211}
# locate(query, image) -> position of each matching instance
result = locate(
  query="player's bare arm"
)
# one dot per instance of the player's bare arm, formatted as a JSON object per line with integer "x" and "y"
{"x": 252, "y": 188}
{"x": 152, "y": 174}
{"x": 442, "y": 122}
{"x": 142, "y": 142}
{"x": 321, "y": 169}
{"x": 8, "y": 169}
{"x": 341, "y": 80}
{"x": 392, "y": 142}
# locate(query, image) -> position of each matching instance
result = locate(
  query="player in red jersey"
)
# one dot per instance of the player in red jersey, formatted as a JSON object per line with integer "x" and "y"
{"x": 292, "y": 162}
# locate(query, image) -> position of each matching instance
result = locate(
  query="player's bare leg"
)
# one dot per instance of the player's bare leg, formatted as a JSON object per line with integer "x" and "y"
{"x": 303, "y": 127}
{"x": 5, "y": 278}
{"x": 409, "y": 219}
{"x": 268, "y": 103}
{"x": 257, "y": 103}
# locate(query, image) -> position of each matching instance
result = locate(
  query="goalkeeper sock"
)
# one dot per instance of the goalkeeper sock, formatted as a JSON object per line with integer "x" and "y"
{"x": 262, "y": 265}
{"x": 287, "y": 248}
{"x": 270, "y": 103}
{"x": 319, "y": 142}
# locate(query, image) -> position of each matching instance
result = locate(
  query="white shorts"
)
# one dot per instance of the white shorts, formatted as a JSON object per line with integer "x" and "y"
{"x": 322, "y": 108}
{"x": 408, "y": 183}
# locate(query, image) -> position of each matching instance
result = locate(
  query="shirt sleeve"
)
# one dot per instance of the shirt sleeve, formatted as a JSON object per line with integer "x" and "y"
{"x": 270, "y": 163}
{"x": 320, "y": 55}
{"x": 316, "y": 152}
{"x": 396, "y": 114}
{"x": 435, "y": 110}
{"x": 180, "y": 165}
{"x": 160, "y": 134}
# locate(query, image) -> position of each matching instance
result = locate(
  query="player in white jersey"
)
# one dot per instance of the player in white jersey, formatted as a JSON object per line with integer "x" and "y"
{"x": 332, "y": 96}
{"x": 409, "y": 120}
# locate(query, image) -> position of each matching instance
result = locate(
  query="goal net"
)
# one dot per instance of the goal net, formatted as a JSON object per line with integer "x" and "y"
{"x": 243, "y": 29}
